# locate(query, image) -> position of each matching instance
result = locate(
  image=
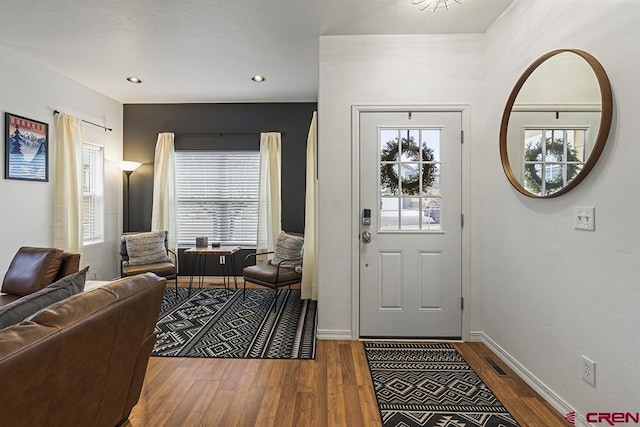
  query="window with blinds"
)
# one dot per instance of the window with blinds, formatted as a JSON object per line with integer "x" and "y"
{"x": 217, "y": 196}
{"x": 92, "y": 193}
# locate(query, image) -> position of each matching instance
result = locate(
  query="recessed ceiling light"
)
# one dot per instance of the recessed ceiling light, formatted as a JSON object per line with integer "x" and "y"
{"x": 258, "y": 79}
{"x": 134, "y": 80}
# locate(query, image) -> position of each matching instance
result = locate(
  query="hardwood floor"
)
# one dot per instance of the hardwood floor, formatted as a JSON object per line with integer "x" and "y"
{"x": 333, "y": 390}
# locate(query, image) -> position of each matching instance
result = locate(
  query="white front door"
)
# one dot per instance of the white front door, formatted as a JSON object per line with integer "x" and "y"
{"x": 411, "y": 253}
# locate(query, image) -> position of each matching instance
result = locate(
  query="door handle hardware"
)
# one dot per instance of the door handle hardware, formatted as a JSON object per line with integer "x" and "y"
{"x": 366, "y": 237}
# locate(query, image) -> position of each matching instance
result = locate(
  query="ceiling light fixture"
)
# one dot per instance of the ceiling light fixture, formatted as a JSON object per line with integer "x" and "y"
{"x": 134, "y": 80}
{"x": 258, "y": 79}
{"x": 433, "y": 5}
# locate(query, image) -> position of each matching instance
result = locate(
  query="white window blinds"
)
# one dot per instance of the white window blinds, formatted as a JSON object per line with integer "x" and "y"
{"x": 217, "y": 196}
{"x": 92, "y": 193}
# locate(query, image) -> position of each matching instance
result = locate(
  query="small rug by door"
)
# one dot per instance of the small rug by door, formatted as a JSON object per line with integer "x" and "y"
{"x": 431, "y": 385}
{"x": 220, "y": 323}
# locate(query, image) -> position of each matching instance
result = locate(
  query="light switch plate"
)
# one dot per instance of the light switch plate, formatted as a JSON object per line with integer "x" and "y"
{"x": 585, "y": 218}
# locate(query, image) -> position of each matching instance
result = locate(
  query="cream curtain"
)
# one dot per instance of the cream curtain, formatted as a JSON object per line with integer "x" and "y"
{"x": 163, "y": 214}
{"x": 309, "y": 276}
{"x": 67, "y": 213}
{"x": 269, "y": 205}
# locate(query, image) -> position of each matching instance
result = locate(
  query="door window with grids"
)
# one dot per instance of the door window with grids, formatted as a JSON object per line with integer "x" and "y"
{"x": 217, "y": 196}
{"x": 92, "y": 193}
{"x": 410, "y": 166}
{"x": 552, "y": 158}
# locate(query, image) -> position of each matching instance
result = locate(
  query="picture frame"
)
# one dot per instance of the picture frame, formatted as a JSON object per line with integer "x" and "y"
{"x": 26, "y": 149}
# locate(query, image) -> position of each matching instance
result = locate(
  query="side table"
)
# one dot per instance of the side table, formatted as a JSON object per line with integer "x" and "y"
{"x": 199, "y": 261}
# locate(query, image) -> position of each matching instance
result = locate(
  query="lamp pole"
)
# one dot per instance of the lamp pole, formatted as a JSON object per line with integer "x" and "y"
{"x": 126, "y": 222}
{"x": 128, "y": 167}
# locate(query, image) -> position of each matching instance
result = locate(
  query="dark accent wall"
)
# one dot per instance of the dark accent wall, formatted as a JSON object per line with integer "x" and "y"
{"x": 198, "y": 126}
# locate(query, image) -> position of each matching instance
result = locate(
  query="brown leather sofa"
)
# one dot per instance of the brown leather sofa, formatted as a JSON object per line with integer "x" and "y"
{"x": 34, "y": 268}
{"x": 81, "y": 361}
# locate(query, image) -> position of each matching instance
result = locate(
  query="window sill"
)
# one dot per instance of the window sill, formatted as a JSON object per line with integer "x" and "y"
{"x": 243, "y": 246}
{"x": 92, "y": 243}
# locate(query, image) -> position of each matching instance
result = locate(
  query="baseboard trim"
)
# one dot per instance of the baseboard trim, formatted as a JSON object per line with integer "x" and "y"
{"x": 476, "y": 336}
{"x": 334, "y": 334}
{"x": 534, "y": 382}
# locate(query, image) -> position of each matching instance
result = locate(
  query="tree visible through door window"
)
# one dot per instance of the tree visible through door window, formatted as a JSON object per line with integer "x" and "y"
{"x": 92, "y": 193}
{"x": 410, "y": 163}
{"x": 552, "y": 158}
{"x": 217, "y": 196}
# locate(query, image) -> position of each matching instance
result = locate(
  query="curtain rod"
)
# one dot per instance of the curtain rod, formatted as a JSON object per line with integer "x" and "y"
{"x": 56, "y": 112}
{"x": 220, "y": 133}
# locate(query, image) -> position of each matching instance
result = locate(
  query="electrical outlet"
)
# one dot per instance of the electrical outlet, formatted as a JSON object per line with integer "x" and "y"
{"x": 588, "y": 370}
{"x": 585, "y": 218}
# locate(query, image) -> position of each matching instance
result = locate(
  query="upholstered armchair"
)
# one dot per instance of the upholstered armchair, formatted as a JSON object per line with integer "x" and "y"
{"x": 284, "y": 269}
{"x": 148, "y": 252}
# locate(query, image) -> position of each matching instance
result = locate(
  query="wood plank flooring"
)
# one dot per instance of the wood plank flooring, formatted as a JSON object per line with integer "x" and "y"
{"x": 333, "y": 390}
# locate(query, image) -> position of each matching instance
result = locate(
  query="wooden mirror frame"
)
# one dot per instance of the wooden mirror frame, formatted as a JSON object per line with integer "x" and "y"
{"x": 603, "y": 131}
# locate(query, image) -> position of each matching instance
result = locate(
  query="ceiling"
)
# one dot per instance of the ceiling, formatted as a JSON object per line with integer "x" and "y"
{"x": 207, "y": 50}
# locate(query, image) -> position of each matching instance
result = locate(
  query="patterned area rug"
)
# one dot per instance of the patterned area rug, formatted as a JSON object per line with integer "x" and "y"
{"x": 220, "y": 323}
{"x": 431, "y": 385}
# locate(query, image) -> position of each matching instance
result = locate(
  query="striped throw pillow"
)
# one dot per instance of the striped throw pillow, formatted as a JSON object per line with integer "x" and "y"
{"x": 146, "y": 248}
{"x": 288, "y": 247}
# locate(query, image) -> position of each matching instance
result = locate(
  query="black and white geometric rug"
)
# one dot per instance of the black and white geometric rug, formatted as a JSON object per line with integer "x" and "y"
{"x": 217, "y": 323}
{"x": 431, "y": 385}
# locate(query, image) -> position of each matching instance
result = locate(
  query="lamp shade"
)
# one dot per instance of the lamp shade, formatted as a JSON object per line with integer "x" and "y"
{"x": 128, "y": 166}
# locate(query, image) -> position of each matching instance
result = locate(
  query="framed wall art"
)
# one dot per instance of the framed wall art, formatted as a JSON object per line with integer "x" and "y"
{"x": 26, "y": 149}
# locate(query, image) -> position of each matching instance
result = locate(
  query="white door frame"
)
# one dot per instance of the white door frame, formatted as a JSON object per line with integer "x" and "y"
{"x": 355, "y": 205}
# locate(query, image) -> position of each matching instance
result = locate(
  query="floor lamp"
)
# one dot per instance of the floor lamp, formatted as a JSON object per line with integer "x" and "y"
{"x": 128, "y": 167}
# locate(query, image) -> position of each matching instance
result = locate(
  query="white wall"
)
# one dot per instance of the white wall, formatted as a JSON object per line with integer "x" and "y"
{"x": 388, "y": 70}
{"x": 552, "y": 293}
{"x": 31, "y": 90}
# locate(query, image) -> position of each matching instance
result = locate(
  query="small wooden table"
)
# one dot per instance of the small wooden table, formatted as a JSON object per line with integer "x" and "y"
{"x": 200, "y": 259}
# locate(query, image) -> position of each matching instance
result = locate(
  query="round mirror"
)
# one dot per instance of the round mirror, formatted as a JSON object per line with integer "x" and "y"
{"x": 555, "y": 123}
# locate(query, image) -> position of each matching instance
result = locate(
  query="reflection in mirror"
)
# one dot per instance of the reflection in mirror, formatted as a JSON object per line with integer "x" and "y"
{"x": 555, "y": 123}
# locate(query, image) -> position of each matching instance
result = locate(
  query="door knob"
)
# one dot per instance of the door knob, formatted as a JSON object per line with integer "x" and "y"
{"x": 366, "y": 236}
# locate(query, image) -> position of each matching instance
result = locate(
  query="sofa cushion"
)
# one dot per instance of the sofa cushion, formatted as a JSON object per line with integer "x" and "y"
{"x": 146, "y": 248}
{"x": 31, "y": 270}
{"x": 162, "y": 269}
{"x": 288, "y": 247}
{"x": 266, "y": 275}
{"x": 20, "y": 309}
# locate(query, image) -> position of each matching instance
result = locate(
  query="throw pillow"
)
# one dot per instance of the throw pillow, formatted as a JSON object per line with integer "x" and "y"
{"x": 20, "y": 309}
{"x": 288, "y": 247}
{"x": 146, "y": 248}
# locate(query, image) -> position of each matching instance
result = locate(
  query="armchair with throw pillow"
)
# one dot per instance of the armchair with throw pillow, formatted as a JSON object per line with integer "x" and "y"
{"x": 284, "y": 269}
{"x": 147, "y": 252}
